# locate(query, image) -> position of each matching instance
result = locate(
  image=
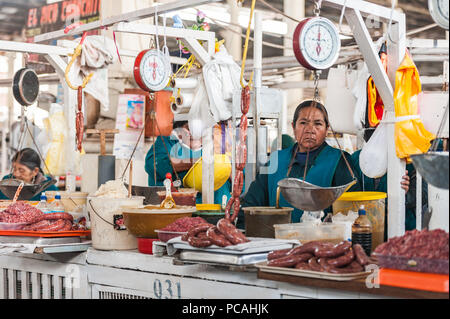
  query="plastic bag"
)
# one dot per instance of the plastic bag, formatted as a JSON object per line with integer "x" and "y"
{"x": 373, "y": 159}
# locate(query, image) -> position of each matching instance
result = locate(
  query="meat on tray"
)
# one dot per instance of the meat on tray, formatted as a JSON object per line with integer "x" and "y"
{"x": 21, "y": 212}
{"x": 342, "y": 258}
{"x": 184, "y": 224}
{"x": 223, "y": 234}
{"x": 428, "y": 244}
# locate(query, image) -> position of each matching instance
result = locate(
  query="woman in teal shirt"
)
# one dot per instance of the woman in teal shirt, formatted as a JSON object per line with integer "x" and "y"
{"x": 176, "y": 154}
{"x": 326, "y": 166}
{"x": 26, "y": 165}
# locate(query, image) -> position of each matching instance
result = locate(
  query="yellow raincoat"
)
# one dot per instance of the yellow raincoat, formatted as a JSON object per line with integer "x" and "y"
{"x": 411, "y": 137}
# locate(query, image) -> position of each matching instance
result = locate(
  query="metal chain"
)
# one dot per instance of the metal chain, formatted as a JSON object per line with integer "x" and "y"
{"x": 316, "y": 85}
{"x": 317, "y": 5}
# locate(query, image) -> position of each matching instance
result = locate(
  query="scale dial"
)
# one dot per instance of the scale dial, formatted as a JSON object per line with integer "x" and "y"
{"x": 152, "y": 70}
{"x": 316, "y": 43}
{"x": 439, "y": 12}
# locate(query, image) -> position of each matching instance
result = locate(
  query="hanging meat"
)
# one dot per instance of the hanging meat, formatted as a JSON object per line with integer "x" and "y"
{"x": 80, "y": 119}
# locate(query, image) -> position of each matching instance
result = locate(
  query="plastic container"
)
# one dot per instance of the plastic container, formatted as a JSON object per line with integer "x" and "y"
{"x": 12, "y": 226}
{"x": 43, "y": 205}
{"x": 434, "y": 266}
{"x": 306, "y": 232}
{"x": 362, "y": 231}
{"x": 212, "y": 213}
{"x": 145, "y": 245}
{"x": 184, "y": 196}
{"x": 57, "y": 205}
{"x": 106, "y": 216}
{"x": 165, "y": 235}
{"x": 374, "y": 204}
{"x": 72, "y": 201}
{"x": 260, "y": 221}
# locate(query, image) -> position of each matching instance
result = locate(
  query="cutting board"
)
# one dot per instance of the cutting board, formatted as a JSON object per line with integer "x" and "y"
{"x": 413, "y": 280}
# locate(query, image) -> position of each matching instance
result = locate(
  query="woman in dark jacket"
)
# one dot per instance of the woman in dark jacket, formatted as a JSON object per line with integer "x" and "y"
{"x": 26, "y": 166}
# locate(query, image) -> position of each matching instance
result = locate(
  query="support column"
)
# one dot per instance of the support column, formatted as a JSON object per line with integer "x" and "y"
{"x": 233, "y": 41}
{"x": 295, "y": 9}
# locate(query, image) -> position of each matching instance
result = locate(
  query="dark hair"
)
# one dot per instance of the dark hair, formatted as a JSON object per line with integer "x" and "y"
{"x": 311, "y": 103}
{"x": 28, "y": 157}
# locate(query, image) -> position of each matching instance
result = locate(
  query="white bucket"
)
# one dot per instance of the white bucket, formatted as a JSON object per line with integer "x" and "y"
{"x": 102, "y": 213}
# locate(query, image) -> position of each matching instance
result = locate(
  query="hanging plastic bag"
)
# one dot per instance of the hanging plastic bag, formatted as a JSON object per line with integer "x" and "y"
{"x": 373, "y": 158}
{"x": 411, "y": 137}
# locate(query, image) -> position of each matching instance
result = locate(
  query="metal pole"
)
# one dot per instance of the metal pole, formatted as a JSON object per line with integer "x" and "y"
{"x": 257, "y": 79}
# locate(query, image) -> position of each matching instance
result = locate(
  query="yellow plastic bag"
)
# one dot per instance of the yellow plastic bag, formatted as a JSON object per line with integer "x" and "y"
{"x": 411, "y": 137}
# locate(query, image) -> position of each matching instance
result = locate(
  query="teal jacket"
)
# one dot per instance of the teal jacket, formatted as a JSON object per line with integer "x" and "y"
{"x": 380, "y": 185}
{"x": 38, "y": 196}
{"x": 327, "y": 168}
{"x": 163, "y": 166}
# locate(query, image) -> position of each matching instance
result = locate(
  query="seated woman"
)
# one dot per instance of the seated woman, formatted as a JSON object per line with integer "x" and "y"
{"x": 326, "y": 166}
{"x": 176, "y": 154}
{"x": 26, "y": 165}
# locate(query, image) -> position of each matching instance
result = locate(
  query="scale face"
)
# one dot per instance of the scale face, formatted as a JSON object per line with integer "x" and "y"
{"x": 152, "y": 70}
{"x": 316, "y": 43}
{"x": 439, "y": 12}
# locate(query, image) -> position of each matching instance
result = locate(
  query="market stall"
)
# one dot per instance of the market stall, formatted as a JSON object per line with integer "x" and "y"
{"x": 123, "y": 241}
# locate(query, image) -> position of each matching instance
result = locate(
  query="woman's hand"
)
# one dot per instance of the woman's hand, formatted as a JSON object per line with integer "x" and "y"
{"x": 405, "y": 182}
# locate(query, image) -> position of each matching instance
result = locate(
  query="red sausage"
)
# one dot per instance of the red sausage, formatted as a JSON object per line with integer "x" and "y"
{"x": 274, "y": 254}
{"x": 342, "y": 260}
{"x": 303, "y": 266}
{"x": 245, "y": 100}
{"x": 309, "y": 247}
{"x": 289, "y": 260}
{"x": 237, "y": 207}
{"x": 335, "y": 251}
{"x": 217, "y": 238}
{"x": 38, "y": 225}
{"x": 231, "y": 232}
{"x": 241, "y": 158}
{"x": 67, "y": 226}
{"x": 54, "y": 226}
{"x": 50, "y": 216}
{"x": 199, "y": 242}
{"x": 314, "y": 265}
{"x": 360, "y": 255}
{"x": 238, "y": 184}
{"x": 193, "y": 231}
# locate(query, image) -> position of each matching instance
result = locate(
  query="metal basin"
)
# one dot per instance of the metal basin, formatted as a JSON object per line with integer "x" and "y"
{"x": 9, "y": 188}
{"x": 433, "y": 167}
{"x": 149, "y": 192}
{"x": 310, "y": 197}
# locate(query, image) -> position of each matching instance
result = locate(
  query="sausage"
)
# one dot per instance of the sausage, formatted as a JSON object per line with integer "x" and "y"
{"x": 241, "y": 158}
{"x": 314, "y": 265}
{"x": 202, "y": 235}
{"x": 274, "y": 254}
{"x": 289, "y": 260}
{"x": 79, "y": 119}
{"x": 38, "y": 225}
{"x": 193, "y": 231}
{"x": 217, "y": 238}
{"x": 185, "y": 237}
{"x": 245, "y": 100}
{"x": 54, "y": 226}
{"x": 360, "y": 255}
{"x": 335, "y": 251}
{"x": 238, "y": 184}
{"x": 199, "y": 242}
{"x": 308, "y": 247}
{"x": 342, "y": 260}
{"x": 231, "y": 232}
{"x": 355, "y": 266}
{"x": 67, "y": 226}
{"x": 243, "y": 126}
{"x": 228, "y": 207}
{"x": 51, "y": 216}
{"x": 237, "y": 207}
{"x": 303, "y": 265}
{"x": 325, "y": 264}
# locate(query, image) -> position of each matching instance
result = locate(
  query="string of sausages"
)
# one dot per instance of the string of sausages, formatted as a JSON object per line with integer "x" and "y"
{"x": 79, "y": 119}
{"x": 241, "y": 158}
{"x": 223, "y": 234}
{"x": 339, "y": 258}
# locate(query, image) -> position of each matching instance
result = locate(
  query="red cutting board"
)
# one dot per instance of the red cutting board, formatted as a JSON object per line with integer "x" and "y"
{"x": 47, "y": 234}
{"x": 413, "y": 280}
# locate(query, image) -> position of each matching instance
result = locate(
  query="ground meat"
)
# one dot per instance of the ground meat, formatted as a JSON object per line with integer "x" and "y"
{"x": 183, "y": 224}
{"x": 425, "y": 244}
{"x": 21, "y": 212}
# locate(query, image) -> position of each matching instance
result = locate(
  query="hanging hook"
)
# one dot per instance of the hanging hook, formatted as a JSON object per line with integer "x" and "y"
{"x": 76, "y": 53}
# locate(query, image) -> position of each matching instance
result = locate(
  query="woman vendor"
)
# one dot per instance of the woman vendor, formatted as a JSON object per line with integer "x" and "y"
{"x": 26, "y": 166}
{"x": 326, "y": 165}
{"x": 176, "y": 154}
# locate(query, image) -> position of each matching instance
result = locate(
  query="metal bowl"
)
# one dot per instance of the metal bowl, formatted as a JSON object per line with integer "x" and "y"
{"x": 433, "y": 167}
{"x": 9, "y": 188}
{"x": 149, "y": 192}
{"x": 309, "y": 197}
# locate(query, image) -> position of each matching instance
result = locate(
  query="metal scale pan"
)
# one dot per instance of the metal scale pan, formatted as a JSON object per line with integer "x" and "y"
{"x": 433, "y": 167}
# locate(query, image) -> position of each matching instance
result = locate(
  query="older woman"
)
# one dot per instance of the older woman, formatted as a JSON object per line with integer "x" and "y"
{"x": 26, "y": 165}
{"x": 324, "y": 165}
